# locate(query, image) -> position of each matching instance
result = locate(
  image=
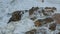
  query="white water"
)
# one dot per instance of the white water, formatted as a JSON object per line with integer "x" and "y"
{"x": 8, "y": 6}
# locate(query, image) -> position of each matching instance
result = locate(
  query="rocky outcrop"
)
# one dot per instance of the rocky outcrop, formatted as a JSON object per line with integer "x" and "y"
{"x": 31, "y": 11}
{"x": 41, "y": 22}
{"x": 48, "y": 20}
{"x": 38, "y": 22}
{"x": 49, "y": 11}
{"x": 36, "y": 19}
{"x": 33, "y": 31}
{"x": 52, "y": 26}
{"x": 16, "y": 16}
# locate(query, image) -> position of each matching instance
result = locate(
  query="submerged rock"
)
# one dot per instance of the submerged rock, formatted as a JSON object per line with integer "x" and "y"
{"x": 33, "y": 18}
{"x": 58, "y": 32}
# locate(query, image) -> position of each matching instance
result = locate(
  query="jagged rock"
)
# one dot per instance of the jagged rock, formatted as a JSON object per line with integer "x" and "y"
{"x": 49, "y": 11}
{"x": 47, "y": 7}
{"x": 41, "y": 22}
{"x": 52, "y": 27}
{"x": 16, "y": 16}
{"x": 50, "y": 8}
{"x": 48, "y": 20}
{"x": 38, "y": 22}
{"x": 33, "y": 31}
{"x": 31, "y": 11}
{"x": 56, "y": 17}
{"x": 26, "y": 10}
{"x": 43, "y": 11}
{"x": 53, "y": 8}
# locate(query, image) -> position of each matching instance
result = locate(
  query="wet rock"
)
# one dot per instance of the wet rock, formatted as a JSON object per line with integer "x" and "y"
{"x": 16, "y": 16}
{"x": 33, "y": 18}
{"x": 43, "y": 11}
{"x": 52, "y": 27}
{"x": 56, "y": 17}
{"x": 38, "y": 22}
{"x": 54, "y": 8}
{"x": 31, "y": 11}
{"x": 26, "y": 10}
{"x": 48, "y": 20}
{"x": 49, "y": 10}
{"x": 47, "y": 7}
{"x": 58, "y": 33}
{"x": 33, "y": 31}
{"x": 37, "y": 31}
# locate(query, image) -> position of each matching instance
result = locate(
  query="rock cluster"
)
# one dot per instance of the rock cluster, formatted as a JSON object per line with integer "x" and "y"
{"x": 47, "y": 13}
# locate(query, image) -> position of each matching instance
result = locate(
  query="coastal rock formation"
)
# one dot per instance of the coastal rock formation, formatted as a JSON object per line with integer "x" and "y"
{"x": 33, "y": 31}
{"x": 38, "y": 22}
{"x": 31, "y": 11}
{"x": 52, "y": 27}
{"x": 48, "y": 20}
{"x": 16, "y": 16}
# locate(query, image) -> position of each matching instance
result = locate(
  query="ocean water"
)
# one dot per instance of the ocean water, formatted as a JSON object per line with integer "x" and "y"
{"x": 9, "y": 6}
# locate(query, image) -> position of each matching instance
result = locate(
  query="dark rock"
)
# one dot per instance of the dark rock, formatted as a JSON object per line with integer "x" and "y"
{"x": 48, "y": 20}
{"x": 31, "y": 11}
{"x": 26, "y": 10}
{"x": 38, "y": 22}
{"x": 54, "y": 8}
{"x": 50, "y": 9}
{"x": 33, "y": 18}
{"x": 52, "y": 27}
{"x": 16, "y": 16}
{"x": 47, "y": 7}
{"x": 33, "y": 31}
{"x": 43, "y": 12}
